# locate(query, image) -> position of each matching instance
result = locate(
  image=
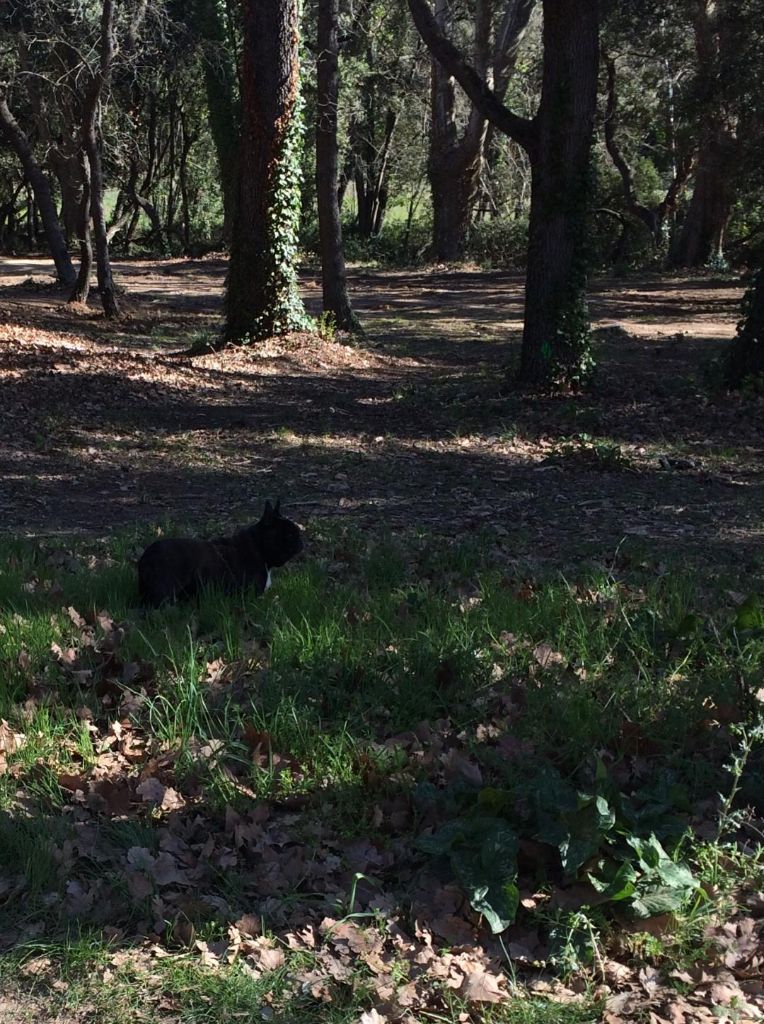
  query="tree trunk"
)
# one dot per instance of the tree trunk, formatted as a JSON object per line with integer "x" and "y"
{"x": 453, "y": 189}
{"x": 170, "y": 209}
{"x": 334, "y": 278}
{"x": 42, "y": 193}
{"x": 701, "y": 239}
{"x": 187, "y": 140}
{"x": 555, "y": 347}
{"x": 81, "y": 288}
{"x": 371, "y": 166}
{"x": 453, "y": 177}
{"x": 262, "y": 298}
{"x": 745, "y": 358}
{"x": 453, "y": 163}
{"x": 222, "y": 101}
{"x": 92, "y": 149}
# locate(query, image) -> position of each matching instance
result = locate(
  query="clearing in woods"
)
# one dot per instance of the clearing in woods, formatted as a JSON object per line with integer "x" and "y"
{"x": 102, "y": 426}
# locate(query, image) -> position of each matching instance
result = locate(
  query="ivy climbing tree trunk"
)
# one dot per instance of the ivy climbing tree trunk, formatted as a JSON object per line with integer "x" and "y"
{"x": 556, "y": 350}
{"x": 10, "y": 129}
{"x": 334, "y": 277}
{"x": 261, "y": 295}
{"x": 745, "y": 357}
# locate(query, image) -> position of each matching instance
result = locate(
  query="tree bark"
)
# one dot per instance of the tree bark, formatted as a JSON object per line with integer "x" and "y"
{"x": 81, "y": 288}
{"x": 555, "y": 349}
{"x": 555, "y": 337}
{"x": 262, "y": 297}
{"x": 334, "y": 278}
{"x": 42, "y": 192}
{"x": 745, "y": 357}
{"x": 371, "y": 166}
{"x": 454, "y": 163}
{"x": 222, "y": 101}
{"x": 91, "y": 146}
{"x": 701, "y": 239}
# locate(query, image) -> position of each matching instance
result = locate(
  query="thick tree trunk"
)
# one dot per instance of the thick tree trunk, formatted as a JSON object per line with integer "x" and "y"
{"x": 261, "y": 296}
{"x": 42, "y": 193}
{"x": 334, "y": 278}
{"x": 452, "y": 173}
{"x": 701, "y": 239}
{"x": 555, "y": 349}
{"x": 453, "y": 163}
{"x": 453, "y": 189}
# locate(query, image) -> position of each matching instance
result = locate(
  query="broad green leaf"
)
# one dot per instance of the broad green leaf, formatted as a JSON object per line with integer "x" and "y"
{"x": 658, "y": 901}
{"x": 584, "y": 831}
{"x": 439, "y": 843}
{"x": 614, "y": 881}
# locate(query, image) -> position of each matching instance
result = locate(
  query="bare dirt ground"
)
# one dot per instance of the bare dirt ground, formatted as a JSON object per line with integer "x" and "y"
{"x": 103, "y": 426}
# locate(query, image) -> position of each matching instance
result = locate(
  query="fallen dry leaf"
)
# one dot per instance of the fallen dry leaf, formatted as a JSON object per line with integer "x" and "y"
{"x": 547, "y": 656}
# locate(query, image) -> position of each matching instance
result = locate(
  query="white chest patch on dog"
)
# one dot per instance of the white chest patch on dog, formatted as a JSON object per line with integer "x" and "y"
{"x": 268, "y": 580}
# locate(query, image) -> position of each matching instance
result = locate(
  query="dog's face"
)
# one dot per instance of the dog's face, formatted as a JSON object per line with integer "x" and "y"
{"x": 279, "y": 538}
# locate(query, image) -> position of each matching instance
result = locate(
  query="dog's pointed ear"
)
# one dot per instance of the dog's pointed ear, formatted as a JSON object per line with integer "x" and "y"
{"x": 267, "y": 512}
{"x": 277, "y": 509}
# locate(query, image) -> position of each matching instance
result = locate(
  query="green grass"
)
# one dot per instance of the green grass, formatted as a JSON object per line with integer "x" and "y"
{"x": 364, "y": 639}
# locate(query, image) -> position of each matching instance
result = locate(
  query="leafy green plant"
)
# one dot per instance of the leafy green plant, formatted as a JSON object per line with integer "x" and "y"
{"x": 590, "y": 452}
{"x": 595, "y": 843}
{"x": 483, "y": 855}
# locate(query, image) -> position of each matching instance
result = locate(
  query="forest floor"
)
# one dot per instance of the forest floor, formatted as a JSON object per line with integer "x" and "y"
{"x": 482, "y": 754}
{"x": 413, "y": 427}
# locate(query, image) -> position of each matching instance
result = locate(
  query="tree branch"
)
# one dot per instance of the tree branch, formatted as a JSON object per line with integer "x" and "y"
{"x": 521, "y": 129}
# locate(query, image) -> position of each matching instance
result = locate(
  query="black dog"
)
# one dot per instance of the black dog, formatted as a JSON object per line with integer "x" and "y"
{"x": 178, "y": 568}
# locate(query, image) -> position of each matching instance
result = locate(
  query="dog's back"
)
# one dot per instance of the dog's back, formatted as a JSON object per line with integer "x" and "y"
{"x": 173, "y": 568}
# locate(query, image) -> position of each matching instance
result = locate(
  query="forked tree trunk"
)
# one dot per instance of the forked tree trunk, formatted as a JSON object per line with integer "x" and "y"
{"x": 334, "y": 278}
{"x": 555, "y": 350}
{"x": 261, "y": 296}
{"x": 18, "y": 141}
{"x": 455, "y": 161}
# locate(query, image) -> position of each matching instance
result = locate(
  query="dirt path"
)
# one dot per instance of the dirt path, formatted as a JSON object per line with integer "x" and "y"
{"x": 101, "y": 427}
